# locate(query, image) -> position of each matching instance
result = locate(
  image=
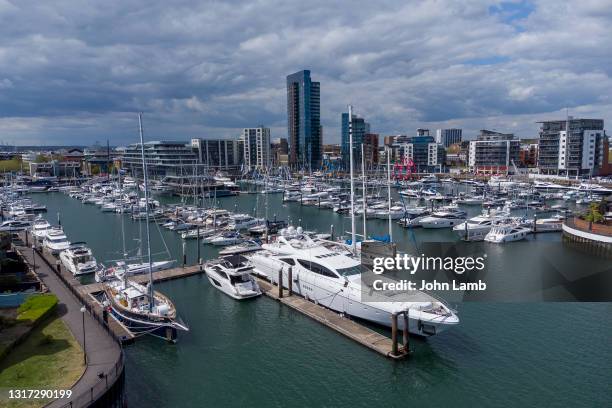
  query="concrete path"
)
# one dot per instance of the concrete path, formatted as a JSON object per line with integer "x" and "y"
{"x": 102, "y": 350}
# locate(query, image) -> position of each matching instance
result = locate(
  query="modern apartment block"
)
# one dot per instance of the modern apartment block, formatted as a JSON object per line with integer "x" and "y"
{"x": 256, "y": 147}
{"x": 581, "y": 151}
{"x": 424, "y": 152}
{"x": 216, "y": 153}
{"x": 304, "y": 120}
{"x": 493, "y": 152}
{"x": 360, "y": 129}
{"x": 447, "y": 137}
{"x": 164, "y": 158}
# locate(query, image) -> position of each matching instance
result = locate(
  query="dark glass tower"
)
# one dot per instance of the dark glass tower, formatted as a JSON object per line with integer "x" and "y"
{"x": 360, "y": 129}
{"x": 304, "y": 120}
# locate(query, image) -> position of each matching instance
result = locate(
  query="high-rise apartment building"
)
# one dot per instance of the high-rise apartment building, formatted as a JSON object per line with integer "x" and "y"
{"x": 360, "y": 129}
{"x": 256, "y": 147}
{"x": 304, "y": 120}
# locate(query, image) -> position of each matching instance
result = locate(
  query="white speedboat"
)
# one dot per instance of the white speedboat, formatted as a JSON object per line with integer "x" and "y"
{"x": 226, "y": 238}
{"x": 244, "y": 247}
{"x": 476, "y": 228}
{"x": 500, "y": 234}
{"x": 14, "y": 225}
{"x": 201, "y": 232}
{"x": 332, "y": 278}
{"x": 56, "y": 241}
{"x": 78, "y": 259}
{"x": 443, "y": 219}
{"x": 232, "y": 276}
{"x": 239, "y": 222}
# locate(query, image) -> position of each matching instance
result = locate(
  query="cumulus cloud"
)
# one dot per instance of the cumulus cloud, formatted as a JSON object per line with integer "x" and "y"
{"x": 74, "y": 72}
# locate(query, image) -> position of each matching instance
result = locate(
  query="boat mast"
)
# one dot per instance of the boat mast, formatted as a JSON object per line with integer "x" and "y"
{"x": 389, "y": 192}
{"x": 365, "y": 206}
{"x": 146, "y": 194}
{"x": 350, "y": 131}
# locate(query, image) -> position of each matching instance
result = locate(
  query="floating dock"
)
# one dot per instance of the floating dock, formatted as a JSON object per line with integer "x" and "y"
{"x": 343, "y": 325}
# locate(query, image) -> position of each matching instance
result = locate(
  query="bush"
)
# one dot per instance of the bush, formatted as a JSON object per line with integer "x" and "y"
{"x": 36, "y": 307}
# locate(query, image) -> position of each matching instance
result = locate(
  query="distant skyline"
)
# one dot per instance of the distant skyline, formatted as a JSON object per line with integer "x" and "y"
{"x": 75, "y": 73}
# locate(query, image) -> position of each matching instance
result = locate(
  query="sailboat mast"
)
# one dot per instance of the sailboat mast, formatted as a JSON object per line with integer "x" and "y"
{"x": 350, "y": 130}
{"x": 146, "y": 196}
{"x": 365, "y": 206}
{"x": 389, "y": 192}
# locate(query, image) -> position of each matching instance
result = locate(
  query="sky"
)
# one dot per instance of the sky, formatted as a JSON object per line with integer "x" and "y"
{"x": 76, "y": 72}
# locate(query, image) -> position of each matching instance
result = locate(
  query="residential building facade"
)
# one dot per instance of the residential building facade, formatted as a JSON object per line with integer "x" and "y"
{"x": 360, "y": 129}
{"x": 448, "y": 137}
{"x": 493, "y": 152}
{"x": 216, "y": 153}
{"x": 164, "y": 158}
{"x": 579, "y": 151}
{"x": 256, "y": 147}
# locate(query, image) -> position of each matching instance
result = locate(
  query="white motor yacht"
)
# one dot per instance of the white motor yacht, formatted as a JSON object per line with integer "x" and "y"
{"x": 14, "y": 225}
{"x": 500, "y": 234}
{"x": 443, "y": 219}
{"x": 239, "y": 222}
{"x": 39, "y": 229}
{"x": 78, "y": 259}
{"x": 232, "y": 276}
{"x": 242, "y": 248}
{"x": 332, "y": 278}
{"x": 476, "y": 228}
{"x": 56, "y": 241}
{"x": 226, "y": 238}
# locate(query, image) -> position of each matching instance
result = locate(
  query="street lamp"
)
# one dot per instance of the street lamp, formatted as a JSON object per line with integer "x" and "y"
{"x": 84, "y": 348}
{"x": 34, "y": 257}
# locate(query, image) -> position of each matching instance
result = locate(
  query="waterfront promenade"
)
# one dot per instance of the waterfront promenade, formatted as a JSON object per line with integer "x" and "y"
{"x": 104, "y": 354}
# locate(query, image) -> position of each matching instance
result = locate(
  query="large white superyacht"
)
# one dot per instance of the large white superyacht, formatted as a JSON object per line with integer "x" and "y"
{"x": 328, "y": 274}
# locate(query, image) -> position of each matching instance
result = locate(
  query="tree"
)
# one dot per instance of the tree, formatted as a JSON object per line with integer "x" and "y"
{"x": 593, "y": 214}
{"x": 41, "y": 159}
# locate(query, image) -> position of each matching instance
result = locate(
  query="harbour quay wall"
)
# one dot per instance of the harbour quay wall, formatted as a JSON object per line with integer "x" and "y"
{"x": 592, "y": 238}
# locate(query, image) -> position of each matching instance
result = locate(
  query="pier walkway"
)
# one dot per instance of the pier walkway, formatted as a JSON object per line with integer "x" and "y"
{"x": 349, "y": 328}
{"x": 104, "y": 354}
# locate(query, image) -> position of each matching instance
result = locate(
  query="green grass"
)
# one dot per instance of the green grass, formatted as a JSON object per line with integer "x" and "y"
{"x": 11, "y": 165}
{"x": 50, "y": 358}
{"x": 35, "y": 307}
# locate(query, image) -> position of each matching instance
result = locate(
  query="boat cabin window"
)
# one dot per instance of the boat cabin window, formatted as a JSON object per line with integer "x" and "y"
{"x": 290, "y": 261}
{"x": 353, "y": 270}
{"x": 316, "y": 268}
{"x": 234, "y": 279}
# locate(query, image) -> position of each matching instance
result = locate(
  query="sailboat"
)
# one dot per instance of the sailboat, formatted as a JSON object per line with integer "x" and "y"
{"x": 140, "y": 308}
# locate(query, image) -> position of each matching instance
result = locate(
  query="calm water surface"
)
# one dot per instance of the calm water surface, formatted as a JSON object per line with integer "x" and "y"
{"x": 259, "y": 353}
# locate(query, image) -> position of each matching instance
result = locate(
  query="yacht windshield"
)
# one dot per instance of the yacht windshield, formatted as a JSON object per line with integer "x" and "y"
{"x": 353, "y": 270}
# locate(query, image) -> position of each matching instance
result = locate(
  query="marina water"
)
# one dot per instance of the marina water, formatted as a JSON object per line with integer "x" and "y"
{"x": 261, "y": 353}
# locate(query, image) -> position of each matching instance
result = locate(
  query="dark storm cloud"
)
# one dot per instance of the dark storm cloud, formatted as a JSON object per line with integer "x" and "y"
{"x": 75, "y": 72}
